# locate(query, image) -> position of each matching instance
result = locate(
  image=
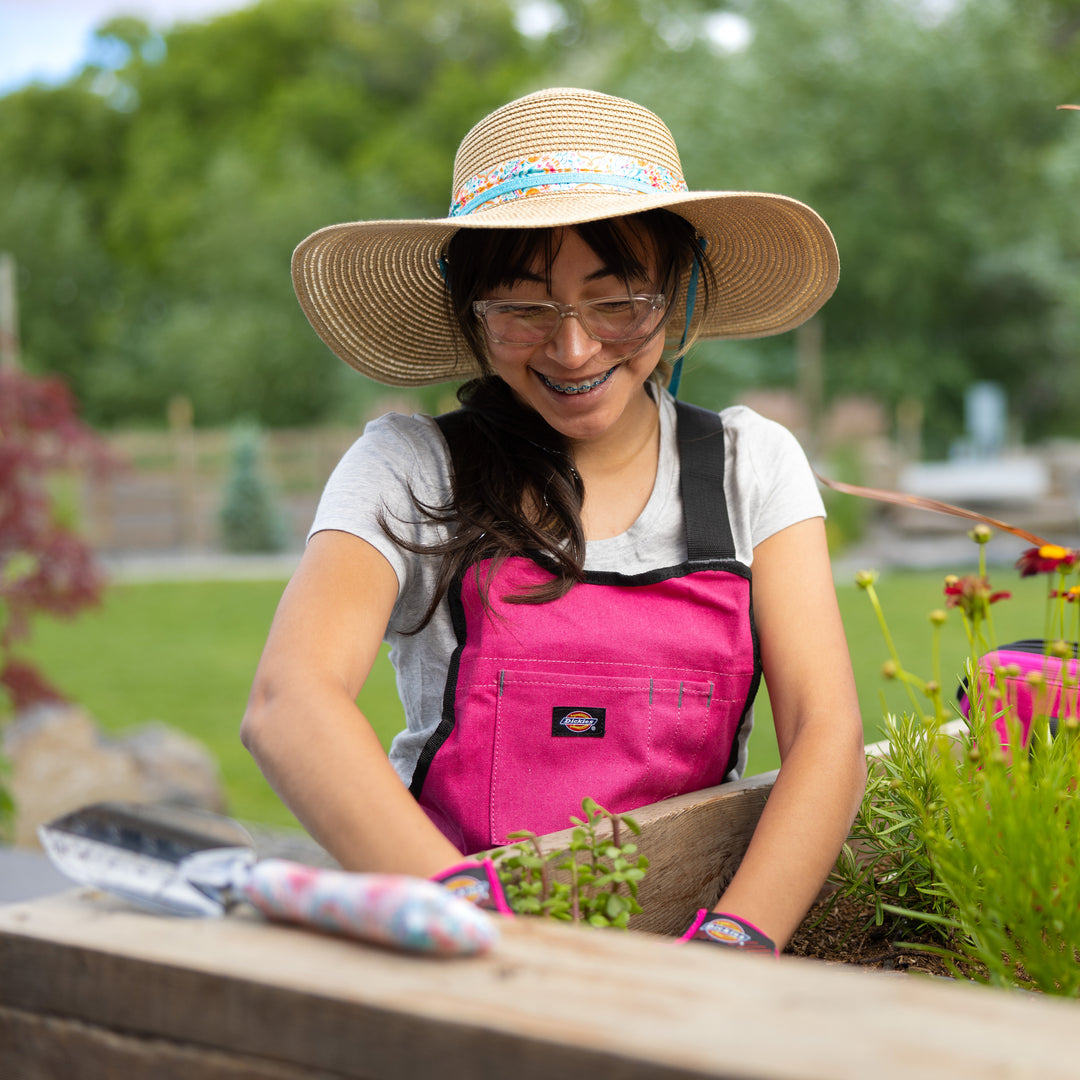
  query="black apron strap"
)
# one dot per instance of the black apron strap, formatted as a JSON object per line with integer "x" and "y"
{"x": 701, "y": 472}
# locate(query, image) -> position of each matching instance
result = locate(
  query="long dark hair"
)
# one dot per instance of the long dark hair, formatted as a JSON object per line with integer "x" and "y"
{"x": 515, "y": 490}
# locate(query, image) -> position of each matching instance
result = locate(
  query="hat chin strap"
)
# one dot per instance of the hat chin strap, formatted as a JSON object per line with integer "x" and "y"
{"x": 691, "y": 299}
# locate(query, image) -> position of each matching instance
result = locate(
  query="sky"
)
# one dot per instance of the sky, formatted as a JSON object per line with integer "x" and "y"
{"x": 50, "y": 39}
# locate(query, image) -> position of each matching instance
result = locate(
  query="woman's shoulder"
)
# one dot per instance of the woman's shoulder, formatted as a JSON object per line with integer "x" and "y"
{"x": 395, "y": 452}
{"x": 407, "y": 438}
{"x": 743, "y": 419}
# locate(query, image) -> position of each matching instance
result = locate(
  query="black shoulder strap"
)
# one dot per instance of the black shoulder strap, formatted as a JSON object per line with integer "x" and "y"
{"x": 701, "y": 472}
{"x": 700, "y": 434}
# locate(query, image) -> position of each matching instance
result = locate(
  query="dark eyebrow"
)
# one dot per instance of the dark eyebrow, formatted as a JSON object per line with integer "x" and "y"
{"x": 542, "y": 279}
{"x": 603, "y": 272}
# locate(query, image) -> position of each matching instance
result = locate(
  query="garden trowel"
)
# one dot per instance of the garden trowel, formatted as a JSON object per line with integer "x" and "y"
{"x": 185, "y": 862}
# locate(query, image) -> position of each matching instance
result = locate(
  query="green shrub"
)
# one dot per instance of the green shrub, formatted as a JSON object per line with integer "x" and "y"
{"x": 249, "y": 519}
{"x": 976, "y": 834}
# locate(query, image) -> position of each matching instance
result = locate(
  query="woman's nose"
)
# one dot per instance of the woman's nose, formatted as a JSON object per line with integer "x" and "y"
{"x": 571, "y": 346}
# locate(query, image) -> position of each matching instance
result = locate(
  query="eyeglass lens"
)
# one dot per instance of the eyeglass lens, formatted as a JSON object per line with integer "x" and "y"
{"x": 607, "y": 319}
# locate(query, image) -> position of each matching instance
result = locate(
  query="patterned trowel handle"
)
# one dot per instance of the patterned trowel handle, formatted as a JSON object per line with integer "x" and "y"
{"x": 386, "y": 909}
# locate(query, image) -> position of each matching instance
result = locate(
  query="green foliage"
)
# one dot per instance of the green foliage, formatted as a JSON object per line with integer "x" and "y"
{"x": 249, "y": 519}
{"x": 885, "y": 864}
{"x": 1006, "y": 853}
{"x": 598, "y": 874}
{"x": 978, "y": 834}
{"x": 153, "y": 201}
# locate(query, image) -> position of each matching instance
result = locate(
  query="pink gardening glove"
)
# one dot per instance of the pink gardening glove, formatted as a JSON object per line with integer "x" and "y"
{"x": 477, "y": 882}
{"x": 729, "y": 931}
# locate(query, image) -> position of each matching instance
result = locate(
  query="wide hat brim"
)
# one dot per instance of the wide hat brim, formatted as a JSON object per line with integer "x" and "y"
{"x": 374, "y": 290}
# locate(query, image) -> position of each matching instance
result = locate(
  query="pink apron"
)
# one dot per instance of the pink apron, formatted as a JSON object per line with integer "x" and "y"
{"x": 628, "y": 689}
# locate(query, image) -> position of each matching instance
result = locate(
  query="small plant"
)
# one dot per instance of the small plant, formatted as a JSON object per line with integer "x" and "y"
{"x": 978, "y": 834}
{"x": 1007, "y": 851}
{"x": 594, "y": 881}
{"x": 886, "y": 865}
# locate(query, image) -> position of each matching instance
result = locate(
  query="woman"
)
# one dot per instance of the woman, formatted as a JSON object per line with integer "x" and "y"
{"x": 562, "y": 566}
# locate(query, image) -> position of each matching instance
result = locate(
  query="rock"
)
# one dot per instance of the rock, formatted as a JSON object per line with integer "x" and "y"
{"x": 60, "y": 761}
{"x": 175, "y": 768}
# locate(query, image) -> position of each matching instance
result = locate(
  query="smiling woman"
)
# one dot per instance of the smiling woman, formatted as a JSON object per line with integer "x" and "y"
{"x": 572, "y": 541}
{"x": 558, "y": 337}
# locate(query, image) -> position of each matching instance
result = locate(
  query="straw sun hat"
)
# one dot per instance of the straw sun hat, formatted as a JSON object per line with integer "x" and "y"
{"x": 374, "y": 291}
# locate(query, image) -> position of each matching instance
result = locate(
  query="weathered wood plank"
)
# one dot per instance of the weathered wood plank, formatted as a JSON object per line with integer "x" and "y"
{"x": 34, "y": 1047}
{"x": 694, "y": 844}
{"x": 550, "y": 1000}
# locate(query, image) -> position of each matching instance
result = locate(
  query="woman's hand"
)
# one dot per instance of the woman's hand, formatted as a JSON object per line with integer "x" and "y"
{"x": 822, "y": 775}
{"x": 302, "y": 724}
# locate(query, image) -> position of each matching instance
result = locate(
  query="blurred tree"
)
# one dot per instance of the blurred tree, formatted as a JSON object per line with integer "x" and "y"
{"x": 171, "y": 179}
{"x": 927, "y": 136}
{"x": 213, "y": 150}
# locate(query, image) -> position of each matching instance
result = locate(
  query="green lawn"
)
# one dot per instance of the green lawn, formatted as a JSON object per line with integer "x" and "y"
{"x": 185, "y": 654}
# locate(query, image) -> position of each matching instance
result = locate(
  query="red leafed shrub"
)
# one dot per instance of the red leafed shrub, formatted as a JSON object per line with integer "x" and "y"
{"x": 44, "y": 566}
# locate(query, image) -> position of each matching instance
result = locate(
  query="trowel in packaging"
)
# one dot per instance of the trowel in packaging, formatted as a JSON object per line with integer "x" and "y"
{"x": 188, "y": 863}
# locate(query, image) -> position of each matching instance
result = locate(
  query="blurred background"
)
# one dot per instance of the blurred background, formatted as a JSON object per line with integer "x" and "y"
{"x": 160, "y": 160}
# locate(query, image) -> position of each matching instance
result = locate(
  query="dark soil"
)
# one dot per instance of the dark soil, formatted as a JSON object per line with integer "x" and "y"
{"x": 840, "y": 931}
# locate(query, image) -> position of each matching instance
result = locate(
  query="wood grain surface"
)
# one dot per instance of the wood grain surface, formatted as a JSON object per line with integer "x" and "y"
{"x": 550, "y": 1001}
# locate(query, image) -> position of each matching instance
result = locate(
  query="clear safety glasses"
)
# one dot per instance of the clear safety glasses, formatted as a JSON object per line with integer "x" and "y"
{"x": 536, "y": 322}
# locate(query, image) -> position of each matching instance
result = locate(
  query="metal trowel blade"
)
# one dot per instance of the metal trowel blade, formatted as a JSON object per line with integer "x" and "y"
{"x": 135, "y": 851}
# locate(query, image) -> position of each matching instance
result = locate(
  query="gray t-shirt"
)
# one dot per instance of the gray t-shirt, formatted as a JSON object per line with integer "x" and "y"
{"x": 767, "y": 481}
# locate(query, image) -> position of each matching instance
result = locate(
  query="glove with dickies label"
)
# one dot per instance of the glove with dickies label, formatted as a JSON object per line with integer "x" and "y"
{"x": 721, "y": 928}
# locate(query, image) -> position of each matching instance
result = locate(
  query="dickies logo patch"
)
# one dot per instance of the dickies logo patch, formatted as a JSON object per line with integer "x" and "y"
{"x": 577, "y": 723}
{"x": 726, "y": 930}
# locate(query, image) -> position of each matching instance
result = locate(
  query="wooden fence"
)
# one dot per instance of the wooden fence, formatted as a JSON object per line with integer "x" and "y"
{"x": 169, "y": 491}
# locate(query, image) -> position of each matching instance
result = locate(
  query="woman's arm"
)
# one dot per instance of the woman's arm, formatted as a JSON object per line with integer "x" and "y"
{"x": 822, "y": 775}
{"x": 303, "y": 727}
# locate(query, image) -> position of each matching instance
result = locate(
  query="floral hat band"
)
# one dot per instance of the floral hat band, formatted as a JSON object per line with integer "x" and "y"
{"x": 375, "y": 291}
{"x": 545, "y": 174}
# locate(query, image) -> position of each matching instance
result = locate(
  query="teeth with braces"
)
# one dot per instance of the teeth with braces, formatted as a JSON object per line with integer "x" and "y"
{"x": 580, "y": 388}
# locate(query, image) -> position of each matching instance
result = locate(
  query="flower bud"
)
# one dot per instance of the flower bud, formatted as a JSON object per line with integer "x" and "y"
{"x": 865, "y": 578}
{"x": 973, "y": 755}
{"x": 932, "y": 687}
{"x": 981, "y": 534}
{"x": 1034, "y": 679}
{"x": 1070, "y": 723}
{"x": 938, "y": 617}
{"x": 1061, "y": 649}
{"x": 890, "y": 669}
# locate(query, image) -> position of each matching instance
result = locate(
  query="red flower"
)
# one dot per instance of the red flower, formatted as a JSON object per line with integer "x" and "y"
{"x": 1046, "y": 560}
{"x": 971, "y": 594}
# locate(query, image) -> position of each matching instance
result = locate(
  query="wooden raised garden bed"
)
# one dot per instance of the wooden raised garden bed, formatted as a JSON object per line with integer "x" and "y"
{"x": 91, "y": 988}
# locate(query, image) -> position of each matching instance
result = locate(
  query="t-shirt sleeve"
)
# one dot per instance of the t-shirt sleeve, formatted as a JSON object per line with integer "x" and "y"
{"x": 772, "y": 483}
{"x": 398, "y": 460}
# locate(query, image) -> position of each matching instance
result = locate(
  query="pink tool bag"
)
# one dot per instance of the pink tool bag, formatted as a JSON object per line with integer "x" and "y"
{"x": 629, "y": 689}
{"x": 1009, "y": 668}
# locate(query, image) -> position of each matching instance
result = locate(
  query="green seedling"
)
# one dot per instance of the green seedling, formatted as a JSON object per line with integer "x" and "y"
{"x": 595, "y": 880}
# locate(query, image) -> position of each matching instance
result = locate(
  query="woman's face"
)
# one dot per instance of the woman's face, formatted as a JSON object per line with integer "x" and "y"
{"x": 549, "y": 377}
